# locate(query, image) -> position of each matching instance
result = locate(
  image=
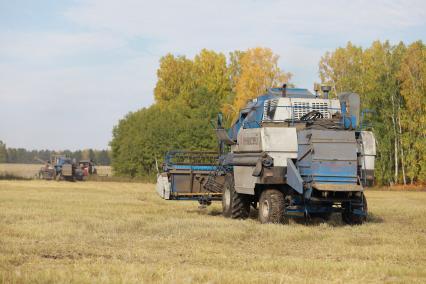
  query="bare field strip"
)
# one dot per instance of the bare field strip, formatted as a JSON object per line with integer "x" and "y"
{"x": 20, "y": 170}
{"x": 92, "y": 232}
{"x": 104, "y": 170}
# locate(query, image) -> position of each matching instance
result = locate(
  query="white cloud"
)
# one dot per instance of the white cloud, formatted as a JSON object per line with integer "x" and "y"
{"x": 171, "y": 20}
{"x": 300, "y": 31}
{"x": 34, "y": 46}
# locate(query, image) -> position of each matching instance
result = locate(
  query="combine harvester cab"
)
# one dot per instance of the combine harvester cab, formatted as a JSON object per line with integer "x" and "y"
{"x": 289, "y": 154}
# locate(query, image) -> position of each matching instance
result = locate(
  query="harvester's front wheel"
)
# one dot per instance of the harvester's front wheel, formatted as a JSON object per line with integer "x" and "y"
{"x": 271, "y": 206}
{"x": 234, "y": 204}
{"x": 349, "y": 216}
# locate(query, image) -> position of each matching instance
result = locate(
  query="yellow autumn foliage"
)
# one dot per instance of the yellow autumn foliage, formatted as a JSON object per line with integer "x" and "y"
{"x": 258, "y": 71}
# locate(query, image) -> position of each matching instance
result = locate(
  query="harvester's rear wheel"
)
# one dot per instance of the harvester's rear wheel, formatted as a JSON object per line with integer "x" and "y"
{"x": 350, "y": 218}
{"x": 271, "y": 206}
{"x": 234, "y": 204}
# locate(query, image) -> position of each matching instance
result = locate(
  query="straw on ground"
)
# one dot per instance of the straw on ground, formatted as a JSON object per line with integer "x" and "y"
{"x": 122, "y": 232}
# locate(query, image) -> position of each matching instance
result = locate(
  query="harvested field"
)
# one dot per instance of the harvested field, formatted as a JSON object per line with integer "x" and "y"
{"x": 20, "y": 170}
{"x": 104, "y": 171}
{"x": 123, "y": 232}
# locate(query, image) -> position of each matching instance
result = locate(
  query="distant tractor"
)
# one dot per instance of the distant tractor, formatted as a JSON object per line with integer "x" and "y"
{"x": 60, "y": 167}
{"x": 88, "y": 167}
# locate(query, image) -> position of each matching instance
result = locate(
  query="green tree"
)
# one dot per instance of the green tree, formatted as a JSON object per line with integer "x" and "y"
{"x": 102, "y": 157}
{"x": 145, "y": 136}
{"x": 12, "y": 156}
{"x": 382, "y": 95}
{"x": 3, "y": 153}
{"x": 412, "y": 75}
{"x": 343, "y": 69}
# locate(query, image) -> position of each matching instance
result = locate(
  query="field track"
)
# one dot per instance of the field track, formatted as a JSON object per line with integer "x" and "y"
{"x": 88, "y": 232}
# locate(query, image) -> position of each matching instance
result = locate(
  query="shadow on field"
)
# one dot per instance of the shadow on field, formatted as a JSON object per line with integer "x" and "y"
{"x": 335, "y": 219}
{"x": 7, "y": 176}
{"x": 206, "y": 211}
{"x": 373, "y": 218}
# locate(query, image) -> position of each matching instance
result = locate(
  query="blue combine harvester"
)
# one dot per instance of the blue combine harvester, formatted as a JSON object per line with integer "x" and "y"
{"x": 290, "y": 153}
{"x": 60, "y": 167}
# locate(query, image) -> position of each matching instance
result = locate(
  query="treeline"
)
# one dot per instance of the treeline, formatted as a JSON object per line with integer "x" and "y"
{"x": 23, "y": 156}
{"x": 190, "y": 92}
{"x": 391, "y": 80}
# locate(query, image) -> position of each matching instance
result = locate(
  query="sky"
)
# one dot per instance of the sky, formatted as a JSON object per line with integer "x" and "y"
{"x": 69, "y": 70}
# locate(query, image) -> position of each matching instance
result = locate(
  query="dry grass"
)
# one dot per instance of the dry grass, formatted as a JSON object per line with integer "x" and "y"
{"x": 122, "y": 232}
{"x": 104, "y": 170}
{"x": 20, "y": 170}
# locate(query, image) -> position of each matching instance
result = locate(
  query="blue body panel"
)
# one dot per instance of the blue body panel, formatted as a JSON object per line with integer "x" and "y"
{"x": 331, "y": 172}
{"x": 193, "y": 167}
{"x": 328, "y": 157}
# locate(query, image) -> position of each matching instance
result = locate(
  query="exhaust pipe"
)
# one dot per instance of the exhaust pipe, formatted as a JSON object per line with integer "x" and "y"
{"x": 284, "y": 91}
{"x": 325, "y": 90}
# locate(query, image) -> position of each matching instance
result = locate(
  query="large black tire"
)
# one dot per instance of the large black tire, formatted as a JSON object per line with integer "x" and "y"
{"x": 271, "y": 206}
{"x": 353, "y": 219}
{"x": 227, "y": 197}
{"x": 235, "y": 205}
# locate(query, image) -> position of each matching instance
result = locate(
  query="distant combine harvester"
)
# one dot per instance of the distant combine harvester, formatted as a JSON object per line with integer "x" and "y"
{"x": 61, "y": 167}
